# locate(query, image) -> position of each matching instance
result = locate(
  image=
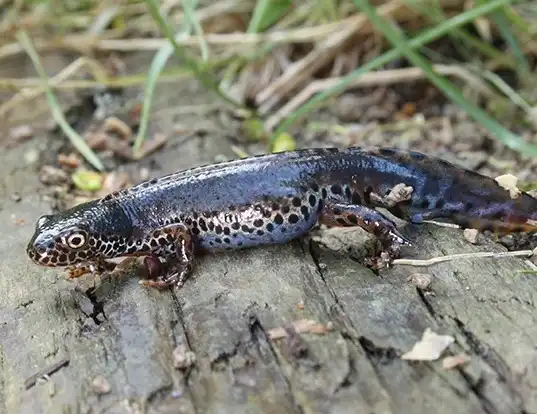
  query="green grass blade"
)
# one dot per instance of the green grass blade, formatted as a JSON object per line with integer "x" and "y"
{"x": 266, "y": 13}
{"x": 157, "y": 65}
{"x": 420, "y": 40}
{"x": 201, "y": 72}
{"x": 57, "y": 113}
{"x": 189, "y": 6}
{"x": 506, "y": 137}
{"x": 500, "y": 18}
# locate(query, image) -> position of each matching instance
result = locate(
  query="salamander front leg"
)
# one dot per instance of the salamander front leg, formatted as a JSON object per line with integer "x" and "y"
{"x": 96, "y": 267}
{"x": 337, "y": 214}
{"x": 177, "y": 250}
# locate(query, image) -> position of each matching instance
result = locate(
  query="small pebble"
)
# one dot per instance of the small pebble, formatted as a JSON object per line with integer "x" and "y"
{"x": 51, "y": 175}
{"x": 31, "y": 156}
{"x": 21, "y": 132}
{"x": 16, "y": 197}
{"x": 471, "y": 235}
{"x": 100, "y": 385}
{"x": 182, "y": 358}
{"x": 421, "y": 280}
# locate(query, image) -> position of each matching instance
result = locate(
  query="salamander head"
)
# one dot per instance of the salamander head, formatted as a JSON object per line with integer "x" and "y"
{"x": 61, "y": 241}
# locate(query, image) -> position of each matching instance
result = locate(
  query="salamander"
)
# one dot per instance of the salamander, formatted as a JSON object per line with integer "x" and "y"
{"x": 272, "y": 199}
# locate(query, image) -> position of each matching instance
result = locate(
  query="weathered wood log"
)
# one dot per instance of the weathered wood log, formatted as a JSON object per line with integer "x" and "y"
{"x": 115, "y": 346}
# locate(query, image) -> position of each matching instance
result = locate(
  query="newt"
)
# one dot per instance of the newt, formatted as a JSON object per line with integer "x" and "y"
{"x": 273, "y": 199}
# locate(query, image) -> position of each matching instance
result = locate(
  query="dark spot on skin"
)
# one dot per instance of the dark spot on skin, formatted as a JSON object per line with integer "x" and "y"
{"x": 226, "y": 240}
{"x": 305, "y": 211}
{"x": 283, "y": 229}
{"x": 368, "y": 191}
{"x": 163, "y": 242}
{"x": 275, "y": 206}
{"x": 297, "y": 202}
{"x": 270, "y": 226}
{"x": 153, "y": 243}
{"x": 348, "y": 192}
{"x": 245, "y": 228}
{"x": 355, "y": 198}
{"x": 315, "y": 187}
{"x": 336, "y": 189}
{"x": 416, "y": 155}
{"x": 227, "y": 231}
{"x": 258, "y": 223}
{"x": 218, "y": 229}
{"x": 324, "y": 193}
{"x": 235, "y": 225}
{"x": 211, "y": 243}
{"x": 285, "y": 209}
{"x": 232, "y": 208}
{"x": 195, "y": 231}
{"x": 203, "y": 224}
{"x": 278, "y": 219}
{"x": 63, "y": 258}
{"x": 388, "y": 152}
{"x": 210, "y": 224}
{"x": 293, "y": 218}
{"x": 497, "y": 216}
{"x": 260, "y": 232}
{"x": 440, "y": 203}
{"x": 218, "y": 240}
{"x": 353, "y": 219}
{"x": 312, "y": 200}
{"x": 341, "y": 221}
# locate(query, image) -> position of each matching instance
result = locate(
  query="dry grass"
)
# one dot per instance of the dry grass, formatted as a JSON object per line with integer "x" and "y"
{"x": 305, "y": 54}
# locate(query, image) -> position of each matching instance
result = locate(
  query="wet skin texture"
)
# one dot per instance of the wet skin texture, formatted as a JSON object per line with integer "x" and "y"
{"x": 271, "y": 199}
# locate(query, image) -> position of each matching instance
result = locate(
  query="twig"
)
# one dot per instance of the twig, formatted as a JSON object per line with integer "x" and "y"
{"x": 440, "y": 259}
{"x": 31, "y": 381}
{"x": 385, "y": 77}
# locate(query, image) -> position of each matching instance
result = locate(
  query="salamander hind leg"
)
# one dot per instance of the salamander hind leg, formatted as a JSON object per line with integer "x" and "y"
{"x": 339, "y": 214}
{"x": 171, "y": 260}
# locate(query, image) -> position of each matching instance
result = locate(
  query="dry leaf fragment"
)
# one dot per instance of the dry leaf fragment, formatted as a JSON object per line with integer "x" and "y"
{"x": 113, "y": 124}
{"x": 451, "y": 362}
{"x": 70, "y": 161}
{"x": 399, "y": 193}
{"x": 430, "y": 347}
{"x": 300, "y": 326}
{"x": 509, "y": 182}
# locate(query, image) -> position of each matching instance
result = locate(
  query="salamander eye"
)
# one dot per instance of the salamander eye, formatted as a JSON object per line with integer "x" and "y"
{"x": 75, "y": 240}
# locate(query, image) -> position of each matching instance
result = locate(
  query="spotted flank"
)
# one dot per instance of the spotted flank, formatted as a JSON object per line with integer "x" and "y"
{"x": 270, "y": 199}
